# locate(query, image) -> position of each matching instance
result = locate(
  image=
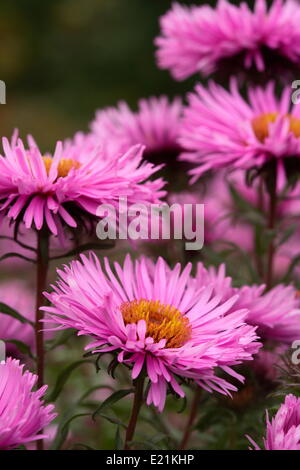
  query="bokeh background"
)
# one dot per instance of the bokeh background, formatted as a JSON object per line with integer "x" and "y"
{"x": 62, "y": 59}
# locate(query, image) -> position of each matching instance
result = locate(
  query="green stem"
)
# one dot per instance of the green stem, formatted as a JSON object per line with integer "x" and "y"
{"x": 41, "y": 280}
{"x": 137, "y": 403}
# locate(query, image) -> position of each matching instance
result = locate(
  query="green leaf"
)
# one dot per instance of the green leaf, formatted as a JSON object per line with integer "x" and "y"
{"x": 112, "y": 399}
{"x": 287, "y": 234}
{"x": 105, "y": 244}
{"x": 291, "y": 268}
{"x": 112, "y": 419}
{"x": 145, "y": 444}
{"x": 183, "y": 405}
{"x": 65, "y": 427}
{"x": 81, "y": 446}
{"x": 60, "y": 339}
{"x": 93, "y": 389}
{"x": 7, "y": 310}
{"x": 246, "y": 210}
{"x": 64, "y": 376}
{"x": 118, "y": 439}
{"x": 17, "y": 255}
{"x": 63, "y": 430}
{"x": 22, "y": 347}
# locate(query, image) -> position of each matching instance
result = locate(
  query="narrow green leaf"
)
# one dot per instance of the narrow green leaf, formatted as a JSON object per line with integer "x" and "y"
{"x": 291, "y": 268}
{"x": 112, "y": 399}
{"x": 17, "y": 255}
{"x": 81, "y": 446}
{"x": 105, "y": 244}
{"x": 60, "y": 339}
{"x": 63, "y": 430}
{"x": 93, "y": 389}
{"x": 7, "y": 310}
{"x": 22, "y": 347}
{"x": 112, "y": 419}
{"x": 65, "y": 427}
{"x": 118, "y": 439}
{"x": 64, "y": 376}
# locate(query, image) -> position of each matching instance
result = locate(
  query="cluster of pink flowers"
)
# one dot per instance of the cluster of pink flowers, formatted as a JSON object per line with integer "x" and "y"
{"x": 197, "y": 38}
{"x": 220, "y": 128}
{"x": 174, "y": 325}
{"x": 64, "y": 188}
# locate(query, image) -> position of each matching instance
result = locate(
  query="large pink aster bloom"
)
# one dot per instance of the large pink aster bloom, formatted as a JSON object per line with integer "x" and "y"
{"x": 283, "y": 431}
{"x": 155, "y": 124}
{"x": 19, "y": 297}
{"x": 276, "y": 313}
{"x": 221, "y": 129}
{"x": 198, "y": 38}
{"x": 22, "y": 411}
{"x": 61, "y": 190}
{"x": 154, "y": 318}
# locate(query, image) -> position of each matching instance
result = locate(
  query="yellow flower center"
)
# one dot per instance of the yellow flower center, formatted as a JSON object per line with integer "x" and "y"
{"x": 64, "y": 166}
{"x": 260, "y": 125}
{"x": 163, "y": 321}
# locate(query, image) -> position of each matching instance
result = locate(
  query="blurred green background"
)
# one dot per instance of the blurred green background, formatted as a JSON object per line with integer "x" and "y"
{"x": 62, "y": 59}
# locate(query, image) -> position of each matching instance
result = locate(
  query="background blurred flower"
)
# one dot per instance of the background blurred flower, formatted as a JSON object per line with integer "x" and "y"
{"x": 220, "y": 128}
{"x": 22, "y": 412}
{"x": 18, "y": 296}
{"x": 276, "y": 312}
{"x": 155, "y": 124}
{"x": 200, "y": 39}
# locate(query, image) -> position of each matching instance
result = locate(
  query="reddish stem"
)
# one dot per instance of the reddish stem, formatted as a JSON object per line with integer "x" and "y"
{"x": 191, "y": 419}
{"x": 41, "y": 280}
{"x": 271, "y": 226}
{"x": 137, "y": 403}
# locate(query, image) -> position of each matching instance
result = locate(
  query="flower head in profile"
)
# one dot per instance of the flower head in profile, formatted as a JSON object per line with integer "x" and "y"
{"x": 157, "y": 320}
{"x": 276, "y": 313}
{"x": 222, "y": 129}
{"x": 155, "y": 124}
{"x": 22, "y": 411}
{"x": 283, "y": 431}
{"x": 66, "y": 189}
{"x": 18, "y": 296}
{"x": 201, "y": 39}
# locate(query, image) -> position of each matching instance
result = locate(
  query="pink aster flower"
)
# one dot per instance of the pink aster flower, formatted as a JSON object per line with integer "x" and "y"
{"x": 200, "y": 39}
{"x": 220, "y": 129}
{"x": 22, "y": 411}
{"x": 155, "y": 124}
{"x": 283, "y": 431}
{"x": 276, "y": 313}
{"x": 18, "y": 296}
{"x": 221, "y": 223}
{"x": 265, "y": 364}
{"x": 66, "y": 188}
{"x": 156, "y": 319}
